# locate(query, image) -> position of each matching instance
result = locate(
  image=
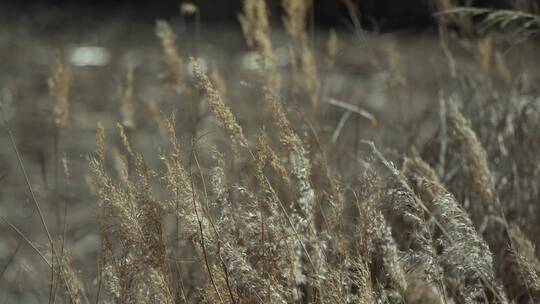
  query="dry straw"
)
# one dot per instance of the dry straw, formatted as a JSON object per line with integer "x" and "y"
{"x": 278, "y": 223}
{"x": 172, "y": 56}
{"x": 524, "y": 256}
{"x": 296, "y": 20}
{"x": 466, "y": 257}
{"x": 223, "y": 113}
{"x": 296, "y": 16}
{"x": 256, "y": 29}
{"x": 332, "y": 48}
{"x": 475, "y": 161}
{"x": 378, "y": 246}
{"x": 130, "y": 213}
{"x": 73, "y": 286}
{"x": 485, "y": 50}
{"x": 265, "y": 154}
{"x": 59, "y": 87}
{"x": 128, "y": 101}
{"x": 301, "y": 167}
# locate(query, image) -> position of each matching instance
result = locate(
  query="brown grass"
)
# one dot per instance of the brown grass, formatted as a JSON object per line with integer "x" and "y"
{"x": 280, "y": 214}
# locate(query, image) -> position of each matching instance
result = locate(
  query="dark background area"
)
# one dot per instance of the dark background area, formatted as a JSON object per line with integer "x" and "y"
{"x": 385, "y": 14}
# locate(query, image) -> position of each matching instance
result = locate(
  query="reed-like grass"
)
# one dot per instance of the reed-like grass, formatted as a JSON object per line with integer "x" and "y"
{"x": 273, "y": 216}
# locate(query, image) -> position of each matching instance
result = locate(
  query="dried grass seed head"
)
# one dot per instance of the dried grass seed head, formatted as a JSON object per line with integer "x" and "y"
{"x": 223, "y": 113}
{"x": 59, "y": 87}
{"x": 128, "y": 101}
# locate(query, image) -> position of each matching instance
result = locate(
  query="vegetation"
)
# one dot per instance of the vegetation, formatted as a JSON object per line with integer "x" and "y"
{"x": 276, "y": 208}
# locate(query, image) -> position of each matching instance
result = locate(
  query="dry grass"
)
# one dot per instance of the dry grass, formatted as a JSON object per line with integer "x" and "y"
{"x": 274, "y": 217}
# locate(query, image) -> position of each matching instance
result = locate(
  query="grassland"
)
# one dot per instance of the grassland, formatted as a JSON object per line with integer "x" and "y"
{"x": 273, "y": 162}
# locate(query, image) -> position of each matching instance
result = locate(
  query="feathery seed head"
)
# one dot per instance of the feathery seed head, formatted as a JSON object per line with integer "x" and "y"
{"x": 223, "y": 113}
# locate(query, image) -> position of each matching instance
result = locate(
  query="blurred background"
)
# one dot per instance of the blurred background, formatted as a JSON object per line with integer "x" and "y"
{"x": 385, "y": 14}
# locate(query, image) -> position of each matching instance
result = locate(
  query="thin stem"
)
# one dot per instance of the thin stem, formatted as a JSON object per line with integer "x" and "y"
{"x": 286, "y": 214}
{"x": 11, "y": 258}
{"x": 202, "y": 242}
{"x": 216, "y": 232}
{"x": 29, "y": 186}
{"x": 26, "y": 240}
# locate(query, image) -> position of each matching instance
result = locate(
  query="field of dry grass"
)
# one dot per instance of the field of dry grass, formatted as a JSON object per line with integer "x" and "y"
{"x": 272, "y": 163}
